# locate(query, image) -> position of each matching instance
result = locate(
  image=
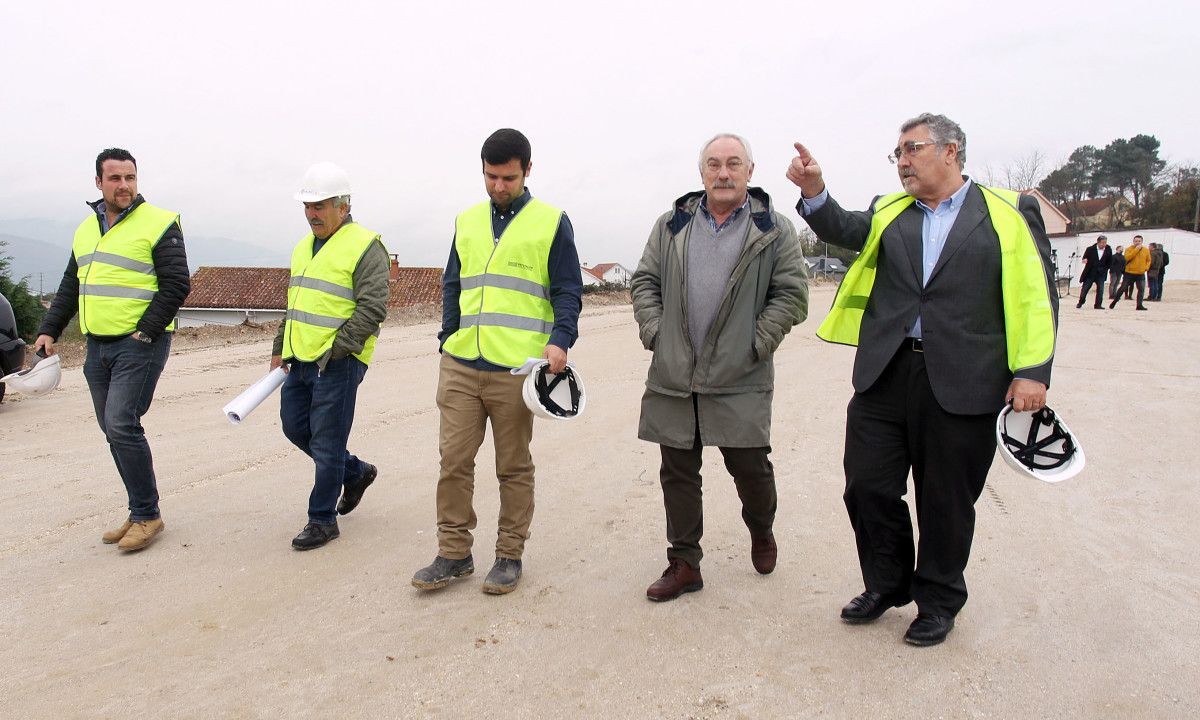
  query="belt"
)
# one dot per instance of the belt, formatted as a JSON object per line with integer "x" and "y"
{"x": 915, "y": 344}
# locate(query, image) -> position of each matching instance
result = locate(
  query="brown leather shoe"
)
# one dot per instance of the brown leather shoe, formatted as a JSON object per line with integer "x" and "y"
{"x": 113, "y": 536}
{"x": 763, "y": 553}
{"x": 141, "y": 534}
{"x": 677, "y": 579}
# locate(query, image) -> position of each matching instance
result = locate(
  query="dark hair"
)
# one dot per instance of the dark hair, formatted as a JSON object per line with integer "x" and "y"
{"x": 504, "y": 145}
{"x": 113, "y": 154}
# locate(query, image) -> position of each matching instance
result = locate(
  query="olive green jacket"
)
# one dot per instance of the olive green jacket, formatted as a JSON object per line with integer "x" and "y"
{"x": 733, "y": 375}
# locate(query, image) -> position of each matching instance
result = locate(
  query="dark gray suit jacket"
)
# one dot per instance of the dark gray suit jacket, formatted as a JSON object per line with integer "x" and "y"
{"x": 961, "y": 307}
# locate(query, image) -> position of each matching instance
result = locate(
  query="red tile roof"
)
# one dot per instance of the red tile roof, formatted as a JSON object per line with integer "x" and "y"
{"x": 242, "y": 288}
{"x": 260, "y": 288}
{"x": 415, "y": 286}
{"x": 602, "y": 268}
{"x": 1088, "y": 208}
{"x": 593, "y": 272}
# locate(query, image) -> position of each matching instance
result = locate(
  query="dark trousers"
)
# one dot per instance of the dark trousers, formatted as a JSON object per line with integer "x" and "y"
{"x": 1087, "y": 285}
{"x": 1127, "y": 286}
{"x": 1114, "y": 282}
{"x": 121, "y": 376}
{"x": 1153, "y": 292}
{"x": 895, "y": 426}
{"x": 317, "y": 411}
{"x": 753, "y": 475}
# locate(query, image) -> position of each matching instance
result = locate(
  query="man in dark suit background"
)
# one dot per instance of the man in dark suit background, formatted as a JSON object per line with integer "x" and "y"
{"x": 945, "y": 338}
{"x": 1097, "y": 260}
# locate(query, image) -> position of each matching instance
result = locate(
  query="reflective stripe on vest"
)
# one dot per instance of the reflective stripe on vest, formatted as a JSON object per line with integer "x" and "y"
{"x": 321, "y": 293}
{"x": 116, "y": 270}
{"x": 1028, "y": 314}
{"x": 504, "y": 299}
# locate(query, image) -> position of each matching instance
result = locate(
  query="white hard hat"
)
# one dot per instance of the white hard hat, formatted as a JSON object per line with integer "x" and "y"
{"x": 1038, "y": 444}
{"x": 554, "y": 397}
{"x": 323, "y": 180}
{"x": 39, "y": 379}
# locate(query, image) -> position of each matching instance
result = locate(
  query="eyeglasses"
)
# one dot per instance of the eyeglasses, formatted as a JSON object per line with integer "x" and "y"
{"x": 909, "y": 148}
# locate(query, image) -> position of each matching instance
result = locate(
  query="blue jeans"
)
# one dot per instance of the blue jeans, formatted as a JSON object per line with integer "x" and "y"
{"x": 122, "y": 376}
{"x": 317, "y": 411}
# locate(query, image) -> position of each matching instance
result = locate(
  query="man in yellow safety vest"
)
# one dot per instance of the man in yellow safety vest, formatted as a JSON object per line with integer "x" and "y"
{"x": 951, "y": 305}
{"x": 126, "y": 277}
{"x": 337, "y": 300}
{"x": 511, "y": 291}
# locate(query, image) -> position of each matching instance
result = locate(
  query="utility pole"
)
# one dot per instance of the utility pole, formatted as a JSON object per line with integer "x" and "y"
{"x": 1196, "y": 215}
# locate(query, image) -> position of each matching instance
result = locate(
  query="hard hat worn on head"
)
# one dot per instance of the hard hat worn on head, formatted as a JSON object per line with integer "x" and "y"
{"x": 1038, "y": 444}
{"x": 554, "y": 397}
{"x": 322, "y": 181}
{"x": 38, "y": 380}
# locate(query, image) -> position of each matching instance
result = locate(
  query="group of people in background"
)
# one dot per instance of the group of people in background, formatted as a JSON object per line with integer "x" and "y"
{"x": 1126, "y": 269}
{"x": 951, "y": 308}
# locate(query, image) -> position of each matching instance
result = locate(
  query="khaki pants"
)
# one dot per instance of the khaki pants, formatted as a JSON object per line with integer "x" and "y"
{"x": 467, "y": 398}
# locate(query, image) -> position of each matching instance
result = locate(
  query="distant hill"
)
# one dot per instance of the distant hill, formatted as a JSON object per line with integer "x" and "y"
{"x": 43, "y": 246}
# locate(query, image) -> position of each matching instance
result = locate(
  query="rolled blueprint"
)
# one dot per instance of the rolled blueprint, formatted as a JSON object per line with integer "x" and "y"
{"x": 241, "y": 406}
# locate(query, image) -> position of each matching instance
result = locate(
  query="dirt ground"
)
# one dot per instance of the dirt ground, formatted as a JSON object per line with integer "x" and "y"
{"x": 1084, "y": 595}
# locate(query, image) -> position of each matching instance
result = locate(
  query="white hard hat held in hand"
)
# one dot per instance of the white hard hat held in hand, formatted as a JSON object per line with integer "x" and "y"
{"x": 1038, "y": 444}
{"x": 37, "y": 380}
{"x": 554, "y": 397}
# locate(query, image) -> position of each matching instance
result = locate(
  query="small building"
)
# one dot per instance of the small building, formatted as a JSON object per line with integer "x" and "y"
{"x": 825, "y": 266}
{"x": 236, "y": 295}
{"x": 610, "y": 273}
{"x": 1098, "y": 213}
{"x": 1056, "y": 221}
{"x": 589, "y": 276}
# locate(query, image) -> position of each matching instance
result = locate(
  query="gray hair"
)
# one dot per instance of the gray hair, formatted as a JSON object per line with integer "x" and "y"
{"x": 720, "y": 136}
{"x": 340, "y": 200}
{"x": 943, "y": 131}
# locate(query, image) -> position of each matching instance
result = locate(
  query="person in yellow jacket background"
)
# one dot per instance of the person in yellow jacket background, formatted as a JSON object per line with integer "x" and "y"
{"x": 512, "y": 290}
{"x": 337, "y": 300}
{"x": 126, "y": 277}
{"x": 951, "y": 305}
{"x": 1137, "y": 262}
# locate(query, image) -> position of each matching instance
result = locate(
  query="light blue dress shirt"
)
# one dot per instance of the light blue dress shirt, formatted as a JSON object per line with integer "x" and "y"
{"x": 935, "y": 227}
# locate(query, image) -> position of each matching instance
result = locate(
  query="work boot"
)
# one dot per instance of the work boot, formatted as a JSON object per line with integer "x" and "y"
{"x": 314, "y": 535}
{"x": 113, "y": 536}
{"x": 141, "y": 534}
{"x": 677, "y": 579}
{"x": 763, "y": 553}
{"x": 441, "y": 571}
{"x": 503, "y": 577}
{"x": 352, "y": 492}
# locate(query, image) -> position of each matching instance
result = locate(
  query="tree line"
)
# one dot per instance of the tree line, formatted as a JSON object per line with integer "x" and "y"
{"x": 25, "y": 305}
{"x": 1128, "y": 169}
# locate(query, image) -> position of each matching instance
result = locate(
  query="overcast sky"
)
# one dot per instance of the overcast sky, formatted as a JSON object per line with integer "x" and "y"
{"x": 226, "y": 103}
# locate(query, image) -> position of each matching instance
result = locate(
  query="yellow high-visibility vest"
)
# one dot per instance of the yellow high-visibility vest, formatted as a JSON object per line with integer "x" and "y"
{"x": 504, "y": 304}
{"x": 116, "y": 273}
{"x": 1028, "y": 314}
{"x": 321, "y": 293}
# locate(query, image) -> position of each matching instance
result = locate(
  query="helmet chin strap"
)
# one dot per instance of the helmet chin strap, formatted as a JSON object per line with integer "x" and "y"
{"x": 544, "y": 387}
{"x": 1031, "y": 450}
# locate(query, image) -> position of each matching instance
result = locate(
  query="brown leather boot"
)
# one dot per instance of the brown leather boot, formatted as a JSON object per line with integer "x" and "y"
{"x": 677, "y": 579}
{"x": 763, "y": 553}
{"x": 113, "y": 536}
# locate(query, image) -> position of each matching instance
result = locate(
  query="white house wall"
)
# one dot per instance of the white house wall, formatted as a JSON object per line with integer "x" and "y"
{"x": 198, "y": 317}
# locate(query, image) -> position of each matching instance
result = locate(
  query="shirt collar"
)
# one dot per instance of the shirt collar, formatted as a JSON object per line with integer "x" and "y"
{"x": 955, "y": 201}
{"x": 515, "y": 207}
{"x": 704, "y": 207}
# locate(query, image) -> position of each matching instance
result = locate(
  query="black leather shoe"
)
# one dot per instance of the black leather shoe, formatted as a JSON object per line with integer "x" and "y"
{"x": 503, "y": 577}
{"x": 928, "y": 629}
{"x": 868, "y": 606}
{"x": 314, "y": 536}
{"x": 352, "y": 493}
